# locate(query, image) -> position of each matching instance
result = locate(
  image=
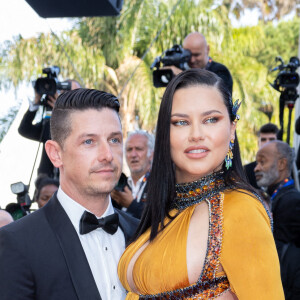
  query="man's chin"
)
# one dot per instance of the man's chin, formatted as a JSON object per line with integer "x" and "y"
{"x": 262, "y": 183}
{"x": 101, "y": 188}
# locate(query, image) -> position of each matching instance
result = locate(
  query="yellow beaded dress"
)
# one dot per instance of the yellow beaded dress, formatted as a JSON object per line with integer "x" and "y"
{"x": 240, "y": 239}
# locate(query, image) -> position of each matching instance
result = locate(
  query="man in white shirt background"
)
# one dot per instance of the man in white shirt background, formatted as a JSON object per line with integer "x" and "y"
{"x": 70, "y": 248}
{"x": 139, "y": 149}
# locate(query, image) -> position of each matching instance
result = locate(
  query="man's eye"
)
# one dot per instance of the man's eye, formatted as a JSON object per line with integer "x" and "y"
{"x": 115, "y": 140}
{"x": 211, "y": 120}
{"x": 180, "y": 123}
{"x": 88, "y": 142}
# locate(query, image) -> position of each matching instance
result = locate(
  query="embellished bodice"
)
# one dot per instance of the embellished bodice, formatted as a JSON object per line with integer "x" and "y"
{"x": 167, "y": 252}
{"x": 190, "y": 193}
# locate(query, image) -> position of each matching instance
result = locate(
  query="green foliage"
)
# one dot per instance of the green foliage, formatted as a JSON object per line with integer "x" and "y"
{"x": 107, "y": 53}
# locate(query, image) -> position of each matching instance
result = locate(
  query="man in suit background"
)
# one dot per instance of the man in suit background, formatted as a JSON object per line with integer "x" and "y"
{"x": 70, "y": 248}
{"x": 273, "y": 170}
{"x": 267, "y": 133}
{"x": 139, "y": 149}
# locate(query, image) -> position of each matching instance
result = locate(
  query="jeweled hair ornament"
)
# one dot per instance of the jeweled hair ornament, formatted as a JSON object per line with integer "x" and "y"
{"x": 235, "y": 107}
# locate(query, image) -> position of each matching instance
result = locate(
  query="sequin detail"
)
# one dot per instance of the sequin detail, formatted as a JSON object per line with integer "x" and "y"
{"x": 208, "y": 285}
{"x": 190, "y": 193}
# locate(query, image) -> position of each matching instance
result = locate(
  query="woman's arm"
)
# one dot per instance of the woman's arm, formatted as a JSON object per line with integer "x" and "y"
{"x": 249, "y": 256}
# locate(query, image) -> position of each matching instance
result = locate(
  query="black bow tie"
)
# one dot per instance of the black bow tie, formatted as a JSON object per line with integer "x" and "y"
{"x": 89, "y": 222}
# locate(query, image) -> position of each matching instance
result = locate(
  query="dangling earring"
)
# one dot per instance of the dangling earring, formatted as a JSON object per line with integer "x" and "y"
{"x": 229, "y": 155}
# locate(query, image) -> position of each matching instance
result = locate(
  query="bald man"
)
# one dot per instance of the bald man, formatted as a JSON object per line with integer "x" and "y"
{"x": 5, "y": 218}
{"x": 196, "y": 43}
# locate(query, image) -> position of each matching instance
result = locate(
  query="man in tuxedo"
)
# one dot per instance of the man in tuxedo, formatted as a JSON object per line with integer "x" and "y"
{"x": 139, "y": 149}
{"x": 69, "y": 249}
{"x": 196, "y": 43}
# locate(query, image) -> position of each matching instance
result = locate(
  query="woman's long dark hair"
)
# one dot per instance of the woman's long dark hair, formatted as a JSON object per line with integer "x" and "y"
{"x": 161, "y": 189}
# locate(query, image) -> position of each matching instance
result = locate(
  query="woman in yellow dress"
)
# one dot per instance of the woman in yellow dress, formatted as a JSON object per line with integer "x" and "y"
{"x": 205, "y": 233}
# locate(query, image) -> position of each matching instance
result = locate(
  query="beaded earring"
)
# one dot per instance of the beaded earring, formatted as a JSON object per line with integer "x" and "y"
{"x": 229, "y": 155}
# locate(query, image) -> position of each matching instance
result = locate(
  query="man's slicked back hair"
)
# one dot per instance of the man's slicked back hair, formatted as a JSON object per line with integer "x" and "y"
{"x": 269, "y": 128}
{"x": 77, "y": 100}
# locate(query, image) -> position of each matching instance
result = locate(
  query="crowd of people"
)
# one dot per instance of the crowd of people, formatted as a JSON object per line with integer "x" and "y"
{"x": 189, "y": 221}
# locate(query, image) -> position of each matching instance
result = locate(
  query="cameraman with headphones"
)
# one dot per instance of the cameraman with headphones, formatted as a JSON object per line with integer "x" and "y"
{"x": 40, "y": 131}
{"x": 196, "y": 43}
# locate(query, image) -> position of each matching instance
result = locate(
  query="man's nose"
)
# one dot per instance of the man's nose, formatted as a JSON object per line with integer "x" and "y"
{"x": 104, "y": 152}
{"x": 133, "y": 153}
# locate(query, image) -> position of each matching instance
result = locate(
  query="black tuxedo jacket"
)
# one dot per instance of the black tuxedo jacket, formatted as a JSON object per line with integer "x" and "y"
{"x": 41, "y": 257}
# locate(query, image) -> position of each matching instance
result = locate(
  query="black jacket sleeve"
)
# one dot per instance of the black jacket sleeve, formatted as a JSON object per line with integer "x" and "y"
{"x": 29, "y": 130}
{"x": 16, "y": 278}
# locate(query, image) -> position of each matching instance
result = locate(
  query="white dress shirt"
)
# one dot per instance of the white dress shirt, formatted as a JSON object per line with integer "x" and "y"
{"x": 138, "y": 188}
{"x": 102, "y": 249}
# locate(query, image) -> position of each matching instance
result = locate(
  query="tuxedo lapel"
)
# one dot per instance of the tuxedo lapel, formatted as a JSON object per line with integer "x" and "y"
{"x": 128, "y": 224}
{"x": 77, "y": 263}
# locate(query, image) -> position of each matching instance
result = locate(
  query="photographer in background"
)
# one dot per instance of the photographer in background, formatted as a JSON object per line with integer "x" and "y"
{"x": 139, "y": 149}
{"x": 196, "y": 43}
{"x": 41, "y": 131}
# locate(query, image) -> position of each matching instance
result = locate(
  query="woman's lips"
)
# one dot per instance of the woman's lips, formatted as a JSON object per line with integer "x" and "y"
{"x": 196, "y": 151}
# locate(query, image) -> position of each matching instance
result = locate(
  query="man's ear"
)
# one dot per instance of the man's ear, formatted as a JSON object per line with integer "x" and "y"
{"x": 282, "y": 164}
{"x": 54, "y": 153}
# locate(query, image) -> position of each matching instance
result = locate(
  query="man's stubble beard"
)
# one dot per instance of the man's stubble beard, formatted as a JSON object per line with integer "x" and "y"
{"x": 269, "y": 177}
{"x": 100, "y": 190}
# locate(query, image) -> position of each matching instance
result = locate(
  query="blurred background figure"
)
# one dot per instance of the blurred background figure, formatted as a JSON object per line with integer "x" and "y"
{"x": 196, "y": 43}
{"x": 40, "y": 131}
{"x": 273, "y": 171}
{"x": 268, "y": 132}
{"x": 45, "y": 187}
{"x": 5, "y": 218}
{"x": 131, "y": 195}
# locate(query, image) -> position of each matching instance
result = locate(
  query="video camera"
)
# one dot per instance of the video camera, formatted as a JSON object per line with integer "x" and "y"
{"x": 287, "y": 79}
{"x": 49, "y": 85}
{"x": 286, "y": 83}
{"x": 176, "y": 56}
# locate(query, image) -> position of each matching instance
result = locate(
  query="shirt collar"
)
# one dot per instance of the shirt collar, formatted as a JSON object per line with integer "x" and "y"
{"x": 75, "y": 210}
{"x": 131, "y": 183}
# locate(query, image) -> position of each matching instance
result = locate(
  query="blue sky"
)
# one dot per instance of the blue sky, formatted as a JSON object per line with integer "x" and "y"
{"x": 17, "y": 17}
